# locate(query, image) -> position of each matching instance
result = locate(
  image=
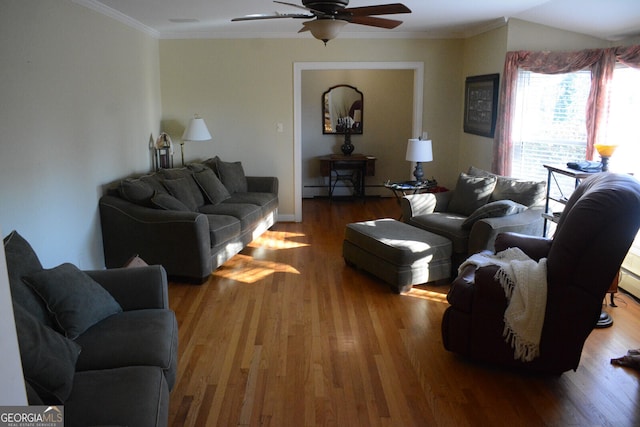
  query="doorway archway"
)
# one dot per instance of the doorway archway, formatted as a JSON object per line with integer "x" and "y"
{"x": 299, "y": 67}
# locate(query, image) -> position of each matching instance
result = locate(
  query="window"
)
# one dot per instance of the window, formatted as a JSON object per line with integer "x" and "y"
{"x": 549, "y": 124}
{"x": 624, "y": 110}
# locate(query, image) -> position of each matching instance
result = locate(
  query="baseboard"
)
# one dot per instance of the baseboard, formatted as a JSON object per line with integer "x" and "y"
{"x": 286, "y": 218}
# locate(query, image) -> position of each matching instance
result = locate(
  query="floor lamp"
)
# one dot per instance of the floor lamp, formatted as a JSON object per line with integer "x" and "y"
{"x": 196, "y": 131}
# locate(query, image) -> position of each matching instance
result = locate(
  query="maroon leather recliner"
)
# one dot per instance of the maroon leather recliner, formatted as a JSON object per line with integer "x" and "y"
{"x": 592, "y": 238}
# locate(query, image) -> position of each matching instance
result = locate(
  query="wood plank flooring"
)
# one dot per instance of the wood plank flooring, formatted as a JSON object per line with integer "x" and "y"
{"x": 285, "y": 334}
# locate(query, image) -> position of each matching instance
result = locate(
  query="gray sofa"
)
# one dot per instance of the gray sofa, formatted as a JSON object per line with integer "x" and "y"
{"x": 481, "y": 206}
{"x": 189, "y": 220}
{"x": 102, "y": 343}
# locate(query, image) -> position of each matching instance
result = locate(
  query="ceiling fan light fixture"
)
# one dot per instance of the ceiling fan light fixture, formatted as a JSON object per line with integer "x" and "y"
{"x": 325, "y": 29}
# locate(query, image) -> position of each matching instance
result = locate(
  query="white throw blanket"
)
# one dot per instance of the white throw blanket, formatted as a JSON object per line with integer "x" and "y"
{"x": 525, "y": 285}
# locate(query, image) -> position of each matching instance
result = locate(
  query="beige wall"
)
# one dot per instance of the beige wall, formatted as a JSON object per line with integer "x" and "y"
{"x": 80, "y": 98}
{"x": 388, "y": 110}
{"x": 243, "y": 89}
{"x": 483, "y": 54}
{"x": 528, "y": 36}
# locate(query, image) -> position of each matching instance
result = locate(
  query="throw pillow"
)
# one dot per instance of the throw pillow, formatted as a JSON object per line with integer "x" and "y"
{"x": 22, "y": 260}
{"x": 470, "y": 193}
{"x": 493, "y": 210}
{"x": 136, "y": 191}
{"x": 232, "y": 176}
{"x": 48, "y": 358}
{"x": 76, "y": 301}
{"x": 213, "y": 189}
{"x": 181, "y": 190}
{"x": 187, "y": 174}
{"x": 474, "y": 171}
{"x": 168, "y": 202}
{"x": 154, "y": 181}
{"x": 528, "y": 193}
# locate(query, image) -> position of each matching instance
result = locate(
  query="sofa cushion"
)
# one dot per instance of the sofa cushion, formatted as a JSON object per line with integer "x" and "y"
{"x": 470, "y": 193}
{"x": 445, "y": 224}
{"x": 136, "y": 337}
{"x": 48, "y": 358}
{"x": 76, "y": 301}
{"x": 223, "y": 228}
{"x": 136, "y": 191}
{"x": 168, "y": 202}
{"x": 232, "y": 175}
{"x": 494, "y": 209}
{"x": 180, "y": 188}
{"x": 21, "y": 261}
{"x": 248, "y": 214}
{"x": 211, "y": 186}
{"x": 131, "y": 396}
{"x": 267, "y": 201}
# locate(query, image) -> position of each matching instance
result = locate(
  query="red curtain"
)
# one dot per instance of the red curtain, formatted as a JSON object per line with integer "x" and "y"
{"x": 601, "y": 62}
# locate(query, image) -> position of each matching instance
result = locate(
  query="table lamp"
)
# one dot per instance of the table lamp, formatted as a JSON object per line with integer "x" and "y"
{"x": 196, "y": 131}
{"x": 419, "y": 150}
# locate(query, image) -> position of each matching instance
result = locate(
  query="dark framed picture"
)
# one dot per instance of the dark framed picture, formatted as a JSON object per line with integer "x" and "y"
{"x": 481, "y": 104}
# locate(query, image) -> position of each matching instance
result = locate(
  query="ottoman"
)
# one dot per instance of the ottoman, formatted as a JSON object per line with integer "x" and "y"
{"x": 398, "y": 253}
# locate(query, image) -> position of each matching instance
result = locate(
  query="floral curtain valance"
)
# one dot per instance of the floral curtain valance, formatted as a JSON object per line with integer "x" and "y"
{"x": 601, "y": 62}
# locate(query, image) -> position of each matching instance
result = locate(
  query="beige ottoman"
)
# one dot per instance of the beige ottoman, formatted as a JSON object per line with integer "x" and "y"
{"x": 398, "y": 253}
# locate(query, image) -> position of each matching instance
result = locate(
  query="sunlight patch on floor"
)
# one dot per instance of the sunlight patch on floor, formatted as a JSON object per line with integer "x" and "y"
{"x": 277, "y": 240}
{"x": 426, "y": 294}
{"x": 247, "y": 269}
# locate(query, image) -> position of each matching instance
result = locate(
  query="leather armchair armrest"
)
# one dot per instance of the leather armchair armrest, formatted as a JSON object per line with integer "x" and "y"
{"x": 476, "y": 291}
{"x": 535, "y": 247}
{"x": 135, "y": 288}
{"x": 461, "y": 292}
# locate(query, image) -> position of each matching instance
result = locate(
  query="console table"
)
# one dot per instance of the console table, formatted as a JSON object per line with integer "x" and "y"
{"x": 353, "y": 168}
{"x": 552, "y": 177}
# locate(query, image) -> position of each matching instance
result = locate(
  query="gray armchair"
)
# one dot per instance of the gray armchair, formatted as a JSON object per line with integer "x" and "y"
{"x": 481, "y": 206}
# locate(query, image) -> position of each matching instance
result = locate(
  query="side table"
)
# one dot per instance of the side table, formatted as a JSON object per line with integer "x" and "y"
{"x": 401, "y": 189}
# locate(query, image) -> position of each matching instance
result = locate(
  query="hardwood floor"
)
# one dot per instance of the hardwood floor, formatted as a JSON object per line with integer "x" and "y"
{"x": 285, "y": 334}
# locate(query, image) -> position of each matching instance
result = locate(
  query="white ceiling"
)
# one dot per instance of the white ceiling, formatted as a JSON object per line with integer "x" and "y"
{"x": 605, "y": 19}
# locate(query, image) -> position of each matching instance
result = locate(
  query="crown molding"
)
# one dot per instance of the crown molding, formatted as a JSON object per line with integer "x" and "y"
{"x": 118, "y": 16}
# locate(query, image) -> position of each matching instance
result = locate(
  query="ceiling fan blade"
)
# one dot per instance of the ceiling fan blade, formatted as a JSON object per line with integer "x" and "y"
{"x": 381, "y": 9}
{"x": 257, "y": 17}
{"x": 317, "y": 12}
{"x": 375, "y": 22}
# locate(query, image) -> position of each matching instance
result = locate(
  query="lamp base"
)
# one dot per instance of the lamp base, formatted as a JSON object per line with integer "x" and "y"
{"x": 417, "y": 172}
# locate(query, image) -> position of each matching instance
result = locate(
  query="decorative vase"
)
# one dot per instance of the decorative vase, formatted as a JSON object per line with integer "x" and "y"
{"x": 347, "y": 147}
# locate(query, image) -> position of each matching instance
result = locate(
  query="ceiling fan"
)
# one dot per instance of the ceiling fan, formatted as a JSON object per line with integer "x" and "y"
{"x": 331, "y": 15}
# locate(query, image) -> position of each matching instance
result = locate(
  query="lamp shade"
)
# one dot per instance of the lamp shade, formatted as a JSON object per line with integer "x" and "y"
{"x": 196, "y": 130}
{"x": 325, "y": 29}
{"x": 419, "y": 150}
